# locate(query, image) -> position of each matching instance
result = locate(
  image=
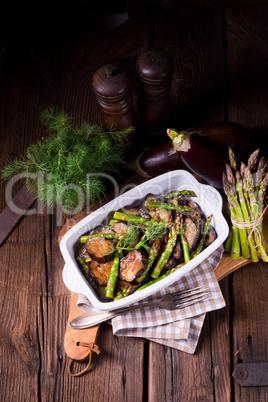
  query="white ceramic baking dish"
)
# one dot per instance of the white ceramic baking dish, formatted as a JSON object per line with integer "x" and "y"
{"x": 209, "y": 200}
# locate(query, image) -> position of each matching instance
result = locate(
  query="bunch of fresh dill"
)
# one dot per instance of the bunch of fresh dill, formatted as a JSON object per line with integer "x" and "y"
{"x": 71, "y": 163}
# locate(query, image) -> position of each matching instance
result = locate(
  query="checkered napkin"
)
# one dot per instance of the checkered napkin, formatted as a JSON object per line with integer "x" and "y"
{"x": 179, "y": 329}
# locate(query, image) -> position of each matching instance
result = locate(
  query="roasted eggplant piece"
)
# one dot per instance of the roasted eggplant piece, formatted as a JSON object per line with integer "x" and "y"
{"x": 158, "y": 214}
{"x": 100, "y": 272}
{"x": 132, "y": 266}
{"x": 85, "y": 268}
{"x": 143, "y": 210}
{"x": 82, "y": 252}
{"x": 119, "y": 227}
{"x": 132, "y": 211}
{"x": 191, "y": 233}
{"x": 123, "y": 285}
{"x": 211, "y": 236}
{"x": 101, "y": 229}
{"x": 100, "y": 249}
{"x": 196, "y": 214}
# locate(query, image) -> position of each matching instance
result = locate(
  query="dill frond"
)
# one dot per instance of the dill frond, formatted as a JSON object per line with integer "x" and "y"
{"x": 70, "y": 158}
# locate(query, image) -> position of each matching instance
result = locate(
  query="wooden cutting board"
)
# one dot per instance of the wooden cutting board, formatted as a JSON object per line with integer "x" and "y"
{"x": 79, "y": 344}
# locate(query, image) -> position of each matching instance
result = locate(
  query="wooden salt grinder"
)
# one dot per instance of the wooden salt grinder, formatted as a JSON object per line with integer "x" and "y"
{"x": 154, "y": 70}
{"x": 112, "y": 85}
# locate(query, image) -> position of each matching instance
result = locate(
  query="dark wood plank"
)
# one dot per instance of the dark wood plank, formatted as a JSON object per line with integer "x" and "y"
{"x": 249, "y": 316}
{"x": 248, "y": 64}
{"x": 122, "y": 44}
{"x": 28, "y": 85}
{"x": 39, "y": 285}
{"x": 230, "y": 3}
{"x": 219, "y": 332}
{"x": 198, "y": 83}
{"x": 116, "y": 372}
{"x": 20, "y": 344}
{"x": 177, "y": 375}
{"x": 146, "y": 6}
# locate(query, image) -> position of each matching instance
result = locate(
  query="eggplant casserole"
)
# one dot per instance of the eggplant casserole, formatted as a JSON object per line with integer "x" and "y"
{"x": 144, "y": 244}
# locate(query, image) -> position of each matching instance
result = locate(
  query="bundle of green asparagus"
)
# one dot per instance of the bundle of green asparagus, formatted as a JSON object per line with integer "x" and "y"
{"x": 245, "y": 188}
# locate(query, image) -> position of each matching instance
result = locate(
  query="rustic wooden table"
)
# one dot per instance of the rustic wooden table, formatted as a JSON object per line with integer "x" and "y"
{"x": 221, "y": 64}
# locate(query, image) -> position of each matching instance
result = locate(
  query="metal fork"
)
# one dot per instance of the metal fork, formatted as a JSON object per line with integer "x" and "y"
{"x": 170, "y": 301}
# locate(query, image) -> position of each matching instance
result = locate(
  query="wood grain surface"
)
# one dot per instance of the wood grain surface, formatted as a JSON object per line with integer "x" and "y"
{"x": 198, "y": 84}
{"x": 221, "y": 57}
{"x": 245, "y": 33}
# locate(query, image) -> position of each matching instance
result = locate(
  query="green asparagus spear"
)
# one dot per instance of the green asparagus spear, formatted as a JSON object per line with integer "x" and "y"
{"x": 129, "y": 218}
{"x": 203, "y": 236}
{"x": 181, "y": 208}
{"x": 152, "y": 255}
{"x": 166, "y": 253}
{"x": 230, "y": 176}
{"x": 124, "y": 293}
{"x": 180, "y": 230}
{"x": 233, "y": 235}
{"x": 242, "y": 169}
{"x": 235, "y": 252}
{"x": 171, "y": 271}
{"x": 261, "y": 195}
{"x": 137, "y": 220}
{"x": 253, "y": 159}
{"x": 244, "y": 188}
{"x": 261, "y": 172}
{"x": 232, "y": 158}
{"x": 255, "y": 212}
{"x": 180, "y": 193}
{"x": 246, "y": 215}
{"x": 263, "y": 165}
{"x": 108, "y": 236}
{"x": 236, "y": 249}
{"x": 109, "y": 290}
{"x": 83, "y": 265}
{"x": 262, "y": 191}
{"x": 230, "y": 192}
{"x": 184, "y": 244}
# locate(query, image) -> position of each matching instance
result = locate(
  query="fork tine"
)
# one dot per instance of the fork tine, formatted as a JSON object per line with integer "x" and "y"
{"x": 191, "y": 301}
{"x": 189, "y": 290}
{"x": 193, "y": 297}
{"x": 180, "y": 296}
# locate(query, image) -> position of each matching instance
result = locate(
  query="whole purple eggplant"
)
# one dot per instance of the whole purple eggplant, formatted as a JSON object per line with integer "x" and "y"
{"x": 202, "y": 156}
{"x": 162, "y": 158}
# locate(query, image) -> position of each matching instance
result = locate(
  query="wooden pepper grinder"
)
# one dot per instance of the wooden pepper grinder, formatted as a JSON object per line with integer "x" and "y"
{"x": 154, "y": 69}
{"x": 112, "y": 85}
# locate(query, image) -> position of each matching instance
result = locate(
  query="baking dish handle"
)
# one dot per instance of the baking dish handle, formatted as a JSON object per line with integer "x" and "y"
{"x": 214, "y": 197}
{"x": 73, "y": 281}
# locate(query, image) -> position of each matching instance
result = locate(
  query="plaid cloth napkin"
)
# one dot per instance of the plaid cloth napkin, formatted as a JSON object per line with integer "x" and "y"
{"x": 179, "y": 329}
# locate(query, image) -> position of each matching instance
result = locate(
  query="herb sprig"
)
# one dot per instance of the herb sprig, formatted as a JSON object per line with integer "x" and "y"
{"x": 69, "y": 164}
{"x": 152, "y": 231}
